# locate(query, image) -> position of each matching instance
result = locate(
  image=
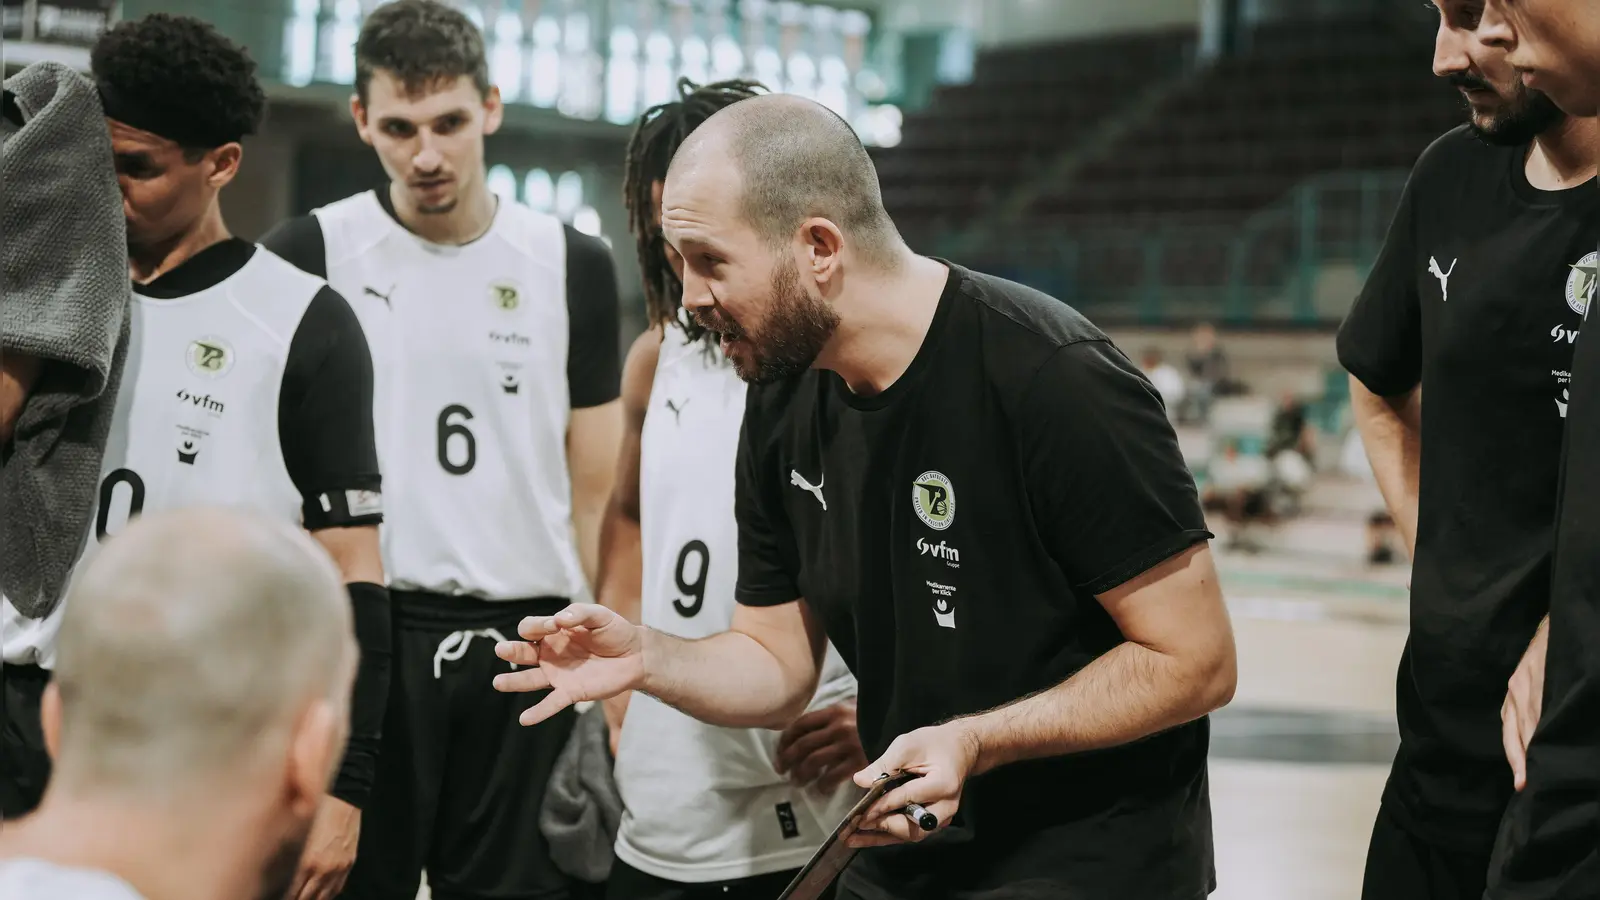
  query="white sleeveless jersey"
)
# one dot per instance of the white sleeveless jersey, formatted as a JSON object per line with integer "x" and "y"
{"x": 196, "y": 421}
{"x": 469, "y": 349}
{"x": 703, "y": 803}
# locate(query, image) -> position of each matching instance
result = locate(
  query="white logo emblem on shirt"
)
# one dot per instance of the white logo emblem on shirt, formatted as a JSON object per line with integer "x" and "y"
{"x": 1442, "y": 275}
{"x": 944, "y": 607}
{"x": 1581, "y": 283}
{"x": 796, "y": 479}
{"x": 1562, "y": 403}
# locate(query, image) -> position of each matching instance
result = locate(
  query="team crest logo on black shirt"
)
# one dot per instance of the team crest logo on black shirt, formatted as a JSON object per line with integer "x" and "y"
{"x": 1581, "y": 284}
{"x": 210, "y": 357}
{"x": 505, "y": 295}
{"x": 934, "y": 499}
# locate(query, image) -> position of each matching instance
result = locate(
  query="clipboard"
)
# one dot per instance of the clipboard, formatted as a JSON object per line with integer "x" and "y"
{"x": 835, "y": 855}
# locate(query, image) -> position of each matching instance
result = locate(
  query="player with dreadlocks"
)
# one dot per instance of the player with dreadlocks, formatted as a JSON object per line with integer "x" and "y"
{"x": 708, "y": 811}
{"x": 656, "y": 138}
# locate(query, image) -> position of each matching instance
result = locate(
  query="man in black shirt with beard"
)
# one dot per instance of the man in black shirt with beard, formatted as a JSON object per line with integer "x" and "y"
{"x": 1479, "y": 293}
{"x": 1548, "y": 847}
{"x": 982, "y": 504}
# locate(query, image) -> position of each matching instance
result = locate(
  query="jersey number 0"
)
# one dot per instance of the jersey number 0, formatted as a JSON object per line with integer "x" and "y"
{"x": 108, "y": 489}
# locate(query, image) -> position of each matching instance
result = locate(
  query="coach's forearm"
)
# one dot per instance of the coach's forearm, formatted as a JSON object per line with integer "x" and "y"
{"x": 1127, "y": 694}
{"x": 728, "y": 679}
{"x": 1391, "y": 431}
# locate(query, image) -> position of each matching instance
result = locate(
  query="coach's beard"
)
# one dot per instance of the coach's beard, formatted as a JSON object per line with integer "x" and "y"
{"x": 796, "y": 328}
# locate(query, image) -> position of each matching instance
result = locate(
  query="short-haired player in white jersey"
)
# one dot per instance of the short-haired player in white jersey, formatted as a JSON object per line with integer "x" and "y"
{"x": 495, "y": 337}
{"x": 709, "y": 812}
{"x": 248, "y": 384}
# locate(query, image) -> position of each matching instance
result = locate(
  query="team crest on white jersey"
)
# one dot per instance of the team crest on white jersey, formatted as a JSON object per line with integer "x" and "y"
{"x": 505, "y": 295}
{"x": 1581, "y": 283}
{"x": 209, "y": 357}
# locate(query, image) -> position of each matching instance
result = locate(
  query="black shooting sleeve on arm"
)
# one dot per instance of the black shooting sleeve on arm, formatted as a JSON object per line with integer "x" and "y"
{"x": 329, "y": 446}
{"x": 370, "y": 697}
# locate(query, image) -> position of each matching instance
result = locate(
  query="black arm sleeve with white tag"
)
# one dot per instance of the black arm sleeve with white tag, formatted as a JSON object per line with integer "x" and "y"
{"x": 594, "y": 349}
{"x": 299, "y": 240}
{"x": 325, "y": 417}
{"x": 1107, "y": 484}
{"x": 1380, "y": 342}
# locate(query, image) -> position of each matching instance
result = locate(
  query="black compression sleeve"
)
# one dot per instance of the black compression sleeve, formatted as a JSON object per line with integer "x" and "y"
{"x": 594, "y": 349}
{"x": 299, "y": 240}
{"x": 325, "y": 417}
{"x": 370, "y": 698}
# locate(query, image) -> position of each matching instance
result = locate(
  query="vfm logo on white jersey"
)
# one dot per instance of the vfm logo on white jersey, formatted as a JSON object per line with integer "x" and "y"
{"x": 1442, "y": 274}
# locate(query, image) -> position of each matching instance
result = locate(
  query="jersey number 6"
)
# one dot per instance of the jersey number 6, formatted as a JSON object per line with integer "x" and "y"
{"x": 695, "y": 590}
{"x": 449, "y": 429}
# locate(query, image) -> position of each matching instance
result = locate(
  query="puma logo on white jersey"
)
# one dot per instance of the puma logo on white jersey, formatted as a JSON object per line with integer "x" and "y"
{"x": 798, "y": 481}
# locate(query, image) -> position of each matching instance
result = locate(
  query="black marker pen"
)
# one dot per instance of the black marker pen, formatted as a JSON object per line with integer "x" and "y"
{"x": 919, "y": 814}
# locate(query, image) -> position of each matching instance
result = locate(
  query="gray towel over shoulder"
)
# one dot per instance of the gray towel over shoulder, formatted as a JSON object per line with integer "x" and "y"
{"x": 66, "y": 301}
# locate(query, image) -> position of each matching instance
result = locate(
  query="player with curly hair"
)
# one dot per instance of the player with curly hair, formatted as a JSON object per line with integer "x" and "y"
{"x": 248, "y": 384}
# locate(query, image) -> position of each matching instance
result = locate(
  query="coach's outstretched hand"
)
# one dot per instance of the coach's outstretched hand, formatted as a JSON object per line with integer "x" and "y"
{"x": 584, "y": 652}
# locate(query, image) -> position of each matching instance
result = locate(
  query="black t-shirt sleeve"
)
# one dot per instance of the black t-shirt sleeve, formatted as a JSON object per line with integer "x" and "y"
{"x": 1107, "y": 484}
{"x": 767, "y": 556}
{"x": 325, "y": 417}
{"x": 299, "y": 240}
{"x": 594, "y": 351}
{"x": 1380, "y": 342}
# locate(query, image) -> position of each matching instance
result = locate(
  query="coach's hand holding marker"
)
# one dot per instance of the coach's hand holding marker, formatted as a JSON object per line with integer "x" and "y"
{"x": 943, "y": 756}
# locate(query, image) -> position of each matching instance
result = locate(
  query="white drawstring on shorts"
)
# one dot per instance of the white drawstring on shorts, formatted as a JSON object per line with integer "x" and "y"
{"x": 454, "y": 646}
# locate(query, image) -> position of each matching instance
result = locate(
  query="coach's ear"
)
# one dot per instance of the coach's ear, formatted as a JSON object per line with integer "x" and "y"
{"x": 50, "y": 719}
{"x": 821, "y": 243}
{"x": 358, "y": 111}
{"x": 315, "y": 749}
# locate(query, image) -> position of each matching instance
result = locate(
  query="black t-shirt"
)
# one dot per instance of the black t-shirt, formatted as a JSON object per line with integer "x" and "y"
{"x": 1476, "y": 295}
{"x": 1549, "y": 845}
{"x": 952, "y": 533}
{"x": 325, "y": 427}
{"x": 594, "y": 355}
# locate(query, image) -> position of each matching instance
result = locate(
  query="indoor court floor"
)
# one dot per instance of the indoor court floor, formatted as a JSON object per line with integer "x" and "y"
{"x": 1299, "y": 759}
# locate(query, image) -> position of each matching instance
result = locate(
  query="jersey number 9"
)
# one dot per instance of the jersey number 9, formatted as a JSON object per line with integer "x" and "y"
{"x": 694, "y": 591}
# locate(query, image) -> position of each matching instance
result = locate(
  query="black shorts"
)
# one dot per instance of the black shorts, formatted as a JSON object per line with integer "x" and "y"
{"x": 24, "y": 761}
{"x": 628, "y": 883}
{"x": 459, "y": 781}
{"x": 1402, "y": 866}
